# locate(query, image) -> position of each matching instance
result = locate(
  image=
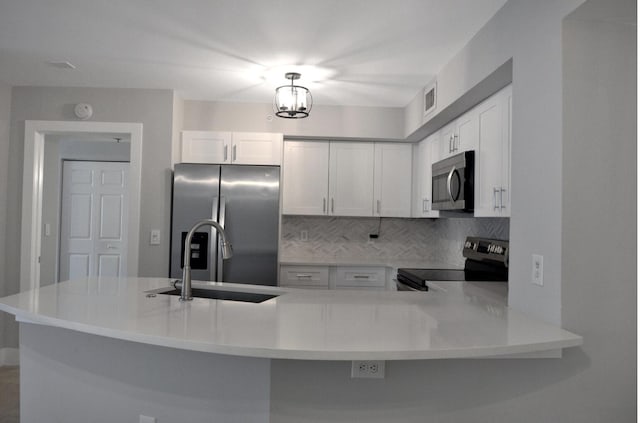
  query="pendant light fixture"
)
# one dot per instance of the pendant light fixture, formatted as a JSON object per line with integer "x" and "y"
{"x": 292, "y": 101}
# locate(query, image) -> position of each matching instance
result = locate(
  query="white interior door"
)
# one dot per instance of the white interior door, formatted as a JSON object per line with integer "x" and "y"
{"x": 93, "y": 219}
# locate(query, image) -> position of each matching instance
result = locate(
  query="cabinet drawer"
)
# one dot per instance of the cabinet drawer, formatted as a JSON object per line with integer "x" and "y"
{"x": 305, "y": 276}
{"x": 355, "y": 277}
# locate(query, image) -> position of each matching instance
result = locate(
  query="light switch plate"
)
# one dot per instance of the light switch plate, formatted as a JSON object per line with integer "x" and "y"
{"x": 154, "y": 239}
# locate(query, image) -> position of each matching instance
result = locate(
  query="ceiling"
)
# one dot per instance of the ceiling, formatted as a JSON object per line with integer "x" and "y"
{"x": 350, "y": 52}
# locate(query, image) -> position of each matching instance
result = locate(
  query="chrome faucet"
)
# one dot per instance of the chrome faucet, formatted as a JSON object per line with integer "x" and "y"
{"x": 227, "y": 252}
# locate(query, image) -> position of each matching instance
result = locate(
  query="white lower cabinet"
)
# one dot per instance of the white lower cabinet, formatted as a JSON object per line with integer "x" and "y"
{"x": 352, "y": 277}
{"x": 334, "y": 277}
{"x": 310, "y": 277}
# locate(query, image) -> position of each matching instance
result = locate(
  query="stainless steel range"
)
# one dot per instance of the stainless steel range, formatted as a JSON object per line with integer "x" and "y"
{"x": 487, "y": 260}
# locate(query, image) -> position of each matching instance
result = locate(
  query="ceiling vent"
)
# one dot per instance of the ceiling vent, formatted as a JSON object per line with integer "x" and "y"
{"x": 61, "y": 65}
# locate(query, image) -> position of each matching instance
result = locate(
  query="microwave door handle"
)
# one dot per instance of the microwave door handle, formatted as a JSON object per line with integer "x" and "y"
{"x": 449, "y": 178}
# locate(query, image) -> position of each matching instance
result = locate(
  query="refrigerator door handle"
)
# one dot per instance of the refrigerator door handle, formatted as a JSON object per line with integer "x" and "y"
{"x": 221, "y": 221}
{"x": 213, "y": 241}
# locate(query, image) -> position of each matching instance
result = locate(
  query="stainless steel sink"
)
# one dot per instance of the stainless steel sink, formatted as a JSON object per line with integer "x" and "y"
{"x": 215, "y": 294}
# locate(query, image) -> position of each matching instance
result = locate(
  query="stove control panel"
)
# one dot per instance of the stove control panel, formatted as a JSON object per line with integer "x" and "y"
{"x": 486, "y": 249}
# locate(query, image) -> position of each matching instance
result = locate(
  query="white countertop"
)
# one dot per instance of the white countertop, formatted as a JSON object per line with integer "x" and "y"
{"x": 463, "y": 320}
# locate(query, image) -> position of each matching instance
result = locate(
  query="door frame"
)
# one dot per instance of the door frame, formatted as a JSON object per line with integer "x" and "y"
{"x": 32, "y": 184}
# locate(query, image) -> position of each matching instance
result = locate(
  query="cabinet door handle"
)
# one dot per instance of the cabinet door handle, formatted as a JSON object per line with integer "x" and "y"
{"x": 226, "y": 149}
{"x": 425, "y": 205}
{"x": 378, "y": 206}
{"x": 360, "y": 276}
{"x": 502, "y": 191}
{"x": 332, "y": 205}
{"x": 303, "y": 275}
{"x": 495, "y": 198}
{"x": 450, "y": 143}
{"x": 456, "y": 145}
{"x": 235, "y": 150}
{"x": 324, "y": 205}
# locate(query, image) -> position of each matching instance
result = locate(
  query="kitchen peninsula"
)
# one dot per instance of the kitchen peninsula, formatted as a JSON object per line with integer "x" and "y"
{"x": 151, "y": 354}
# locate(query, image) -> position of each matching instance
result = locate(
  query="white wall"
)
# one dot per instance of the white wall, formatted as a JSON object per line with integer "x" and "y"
{"x": 324, "y": 121}
{"x": 57, "y": 149}
{"x": 178, "y": 124}
{"x": 5, "y": 114}
{"x": 152, "y": 108}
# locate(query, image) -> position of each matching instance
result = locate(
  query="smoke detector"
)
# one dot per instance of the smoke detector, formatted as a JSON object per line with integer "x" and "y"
{"x": 83, "y": 111}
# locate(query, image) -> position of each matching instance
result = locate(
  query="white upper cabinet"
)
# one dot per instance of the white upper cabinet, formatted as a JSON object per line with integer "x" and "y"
{"x": 459, "y": 135}
{"x": 486, "y": 129}
{"x": 256, "y": 148}
{"x": 251, "y": 148}
{"x": 467, "y": 132}
{"x": 205, "y": 147}
{"x": 392, "y": 180}
{"x": 426, "y": 152}
{"x": 346, "y": 178}
{"x": 305, "y": 180}
{"x": 446, "y": 135}
{"x": 493, "y": 157}
{"x": 351, "y": 178}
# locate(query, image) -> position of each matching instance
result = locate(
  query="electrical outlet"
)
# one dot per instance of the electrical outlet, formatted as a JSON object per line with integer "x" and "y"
{"x": 304, "y": 235}
{"x": 367, "y": 369}
{"x": 537, "y": 270}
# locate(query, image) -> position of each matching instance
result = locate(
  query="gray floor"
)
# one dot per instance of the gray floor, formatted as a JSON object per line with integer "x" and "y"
{"x": 9, "y": 394}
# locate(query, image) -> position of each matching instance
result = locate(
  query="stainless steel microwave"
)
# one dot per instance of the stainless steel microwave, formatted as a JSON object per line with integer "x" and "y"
{"x": 452, "y": 183}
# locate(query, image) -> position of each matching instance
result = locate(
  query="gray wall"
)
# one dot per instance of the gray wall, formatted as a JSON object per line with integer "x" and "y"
{"x": 57, "y": 149}
{"x": 74, "y": 377}
{"x": 594, "y": 383}
{"x": 5, "y": 115}
{"x": 152, "y": 108}
{"x": 324, "y": 121}
{"x": 599, "y": 201}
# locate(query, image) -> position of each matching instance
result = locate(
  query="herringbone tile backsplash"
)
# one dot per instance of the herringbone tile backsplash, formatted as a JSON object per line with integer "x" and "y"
{"x": 431, "y": 240}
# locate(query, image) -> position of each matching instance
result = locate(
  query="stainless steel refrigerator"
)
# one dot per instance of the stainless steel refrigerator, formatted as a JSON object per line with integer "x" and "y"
{"x": 245, "y": 200}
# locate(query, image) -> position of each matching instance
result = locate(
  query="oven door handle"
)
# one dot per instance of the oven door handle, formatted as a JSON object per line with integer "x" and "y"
{"x": 449, "y": 180}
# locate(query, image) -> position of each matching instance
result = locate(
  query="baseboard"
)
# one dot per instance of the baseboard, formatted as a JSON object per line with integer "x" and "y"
{"x": 9, "y": 357}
